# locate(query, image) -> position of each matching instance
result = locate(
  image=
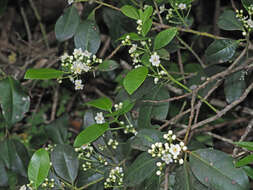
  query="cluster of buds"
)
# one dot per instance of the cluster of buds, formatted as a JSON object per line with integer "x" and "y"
{"x": 130, "y": 129}
{"x": 86, "y": 166}
{"x": 85, "y": 151}
{"x": 115, "y": 178}
{"x": 168, "y": 152}
{"x": 76, "y": 64}
{"x": 48, "y": 183}
{"x": 102, "y": 160}
{"x": 50, "y": 147}
{"x": 113, "y": 143}
{"x": 118, "y": 106}
{"x": 160, "y": 75}
{"x": 246, "y": 21}
{"x": 139, "y": 26}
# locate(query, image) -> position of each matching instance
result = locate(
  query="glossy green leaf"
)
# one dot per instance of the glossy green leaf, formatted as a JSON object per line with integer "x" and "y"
{"x": 249, "y": 171}
{"x": 245, "y": 161}
{"x": 140, "y": 169}
{"x": 221, "y": 50}
{"x": 67, "y": 24}
{"x": 164, "y": 38}
{"x": 13, "y": 100}
{"x": 134, "y": 79}
{"x": 103, "y": 103}
{"x": 151, "y": 183}
{"x": 144, "y": 16}
{"x": 65, "y": 162}
{"x": 130, "y": 12}
{"x": 185, "y": 180}
{"x": 108, "y": 65}
{"x": 87, "y": 36}
{"x": 88, "y": 178}
{"x": 58, "y": 130}
{"x": 245, "y": 144}
{"x": 145, "y": 138}
{"x": 3, "y": 175}
{"x": 247, "y": 4}
{"x": 234, "y": 86}
{"x": 216, "y": 170}
{"x": 39, "y": 167}
{"x": 90, "y": 134}
{"x": 146, "y": 27}
{"x": 43, "y": 73}
{"x": 228, "y": 21}
{"x": 153, "y": 110}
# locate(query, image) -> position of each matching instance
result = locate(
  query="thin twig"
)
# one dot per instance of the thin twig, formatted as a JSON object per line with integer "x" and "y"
{"x": 180, "y": 63}
{"x": 114, "y": 52}
{"x": 243, "y": 137}
{"x": 55, "y": 102}
{"x": 220, "y": 137}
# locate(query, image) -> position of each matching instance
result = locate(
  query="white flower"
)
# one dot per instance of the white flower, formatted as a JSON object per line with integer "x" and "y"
{"x": 156, "y": 80}
{"x": 78, "y": 85}
{"x": 162, "y": 8}
{"x": 99, "y": 118}
{"x": 181, "y": 161}
{"x": 86, "y": 53}
{"x": 158, "y": 172}
{"x": 133, "y": 48}
{"x": 70, "y": 2}
{"x": 139, "y": 22}
{"x": 23, "y": 187}
{"x": 167, "y": 158}
{"x": 250, "y": 23}
{"x": 174, "y": 137}
{"x": 78, "y": 52}
{"x": 182, "y": 6}
{"x": 77, "y": 67}
{"x": 158, "y": 164}
{"x": 64, "y": 57}
{"x": 155, "y": 60}
{"x": 175, "y": 150}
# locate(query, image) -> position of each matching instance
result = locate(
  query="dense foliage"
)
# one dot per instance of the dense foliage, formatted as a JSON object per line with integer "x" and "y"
{"x": 143, "y": 94}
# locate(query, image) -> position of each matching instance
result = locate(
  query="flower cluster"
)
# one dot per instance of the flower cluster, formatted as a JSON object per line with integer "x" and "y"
{"x": 168, "y": 152}
{"x": 99, "y": 118}
{"x": 118, "y": 106}
{"x": 160, "y": 75}
{"x": 246, "y": 21}
{"x": 139, "y": 26}
{"x": 85, "y": 151}
{"x": 48, "y": 183}
{"x": 115, "y": 178}
{"x": 113, "y": 143}
{"x": 76, "y": 64}
{"x": 130, "y": 129}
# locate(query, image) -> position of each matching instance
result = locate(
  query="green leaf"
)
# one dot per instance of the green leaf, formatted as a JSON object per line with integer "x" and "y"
{"x": 13, "y": 100}
{"x": 141, "y": 169}
{"x": 3, "y": 175}
{"x": 234, "y": 86}
{"x": 244, "y": 161}
{"x": 67, "y": 24}
{"x": 146, "y": 27}
{"x": 153, "y": 110}
{"x": 103, "y": 103}
{"x": 164, "y": 38}
{"x": 134, "y": 79}
{"x": 58, "y": 130}
{"x": 43, "y": 73}
{"x": 87, "y": 36}
{"x": 221, "y": 50}
{"x": 249, "y": 171}
{"x": 216, "y": 170}
{"x": 108, "y": 65}
{"x": 39, "y": 167}
{"x": 90, "y": 134}
{"x": 145, "y": 138}
{"x": 244, "y": 144}
{"x": 247, "y": 4}
{"x": 133, "y": 36}
{"x": 185, "y": 180}
{"x": 65, "y": 162}
{"x": 130, "y": 12}
{"x": 228, "y": 21}
{"x": 144, "y": 16}
{"x": 88, "y": 178}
